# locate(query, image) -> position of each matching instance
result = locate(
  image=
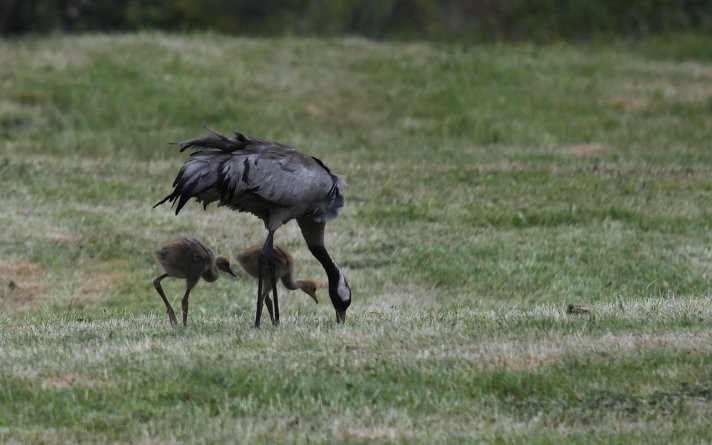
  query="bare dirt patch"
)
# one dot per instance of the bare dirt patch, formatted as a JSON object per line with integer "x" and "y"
{"x": 96, "y": 283}
{"x": 627, "y": 103}
{"x": 20, "y": 284}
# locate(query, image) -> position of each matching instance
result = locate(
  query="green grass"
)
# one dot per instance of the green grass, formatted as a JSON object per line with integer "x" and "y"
{"x": 489, "y": 186}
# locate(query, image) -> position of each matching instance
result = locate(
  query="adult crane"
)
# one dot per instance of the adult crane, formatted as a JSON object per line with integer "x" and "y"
{"x": 274, "y": 182}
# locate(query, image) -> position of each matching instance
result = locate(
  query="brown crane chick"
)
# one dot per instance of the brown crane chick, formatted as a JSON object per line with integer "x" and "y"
{"x": 284, "y": 268}
{"x": 189, "y": 259}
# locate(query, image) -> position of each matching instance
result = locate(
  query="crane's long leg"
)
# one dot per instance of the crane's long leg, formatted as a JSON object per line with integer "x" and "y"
{"x": 260, "y": 295}
{"x": 169, "y": 309}
{"x": 266, "y": 254}
{"x": 273, "y": 276}
{"x": 184, "y": 304}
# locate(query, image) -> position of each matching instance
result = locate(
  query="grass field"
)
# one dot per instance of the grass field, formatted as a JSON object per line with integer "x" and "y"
{"x": 489, "y": 187}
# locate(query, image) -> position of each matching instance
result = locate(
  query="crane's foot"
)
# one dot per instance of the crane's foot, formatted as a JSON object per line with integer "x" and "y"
{"x": 172, "y": 317}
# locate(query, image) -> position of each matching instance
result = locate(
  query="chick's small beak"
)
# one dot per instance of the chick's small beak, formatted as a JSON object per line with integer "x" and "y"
{"x": 231, "y": 273}
{"x": 314, "y": 298}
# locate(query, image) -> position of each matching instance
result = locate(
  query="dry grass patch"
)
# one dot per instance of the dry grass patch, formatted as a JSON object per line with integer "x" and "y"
{"x": 672, "y": 84}
{"x": 640, "y": 95}
{"x": 584, "y": 150}
{"x": 531, "y": 354}
{"x": 376, "y": 433}
{"x": 61, "y": 380}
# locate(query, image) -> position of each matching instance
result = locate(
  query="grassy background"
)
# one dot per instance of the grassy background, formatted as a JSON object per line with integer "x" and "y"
{"x": 489, "y": 186}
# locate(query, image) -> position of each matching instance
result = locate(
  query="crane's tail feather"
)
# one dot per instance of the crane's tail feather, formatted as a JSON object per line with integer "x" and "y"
{"x": 201, "y": 177}
{"x": 162, "y": 201}
{"x": 238, "y": 136}
{"x": 182, "y": 200}
{"x": 216, "y": 141}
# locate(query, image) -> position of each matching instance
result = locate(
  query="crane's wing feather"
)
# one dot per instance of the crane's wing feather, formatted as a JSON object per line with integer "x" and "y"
{"x": 256, "y": 176}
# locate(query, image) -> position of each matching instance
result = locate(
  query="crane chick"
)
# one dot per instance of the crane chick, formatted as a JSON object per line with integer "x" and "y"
{"x": 284, "y": 269}
{"x": 189, "y": 259}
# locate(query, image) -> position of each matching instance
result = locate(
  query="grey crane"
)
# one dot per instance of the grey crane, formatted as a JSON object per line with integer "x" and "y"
{"x": 274, "y": 182}
{"x": 284, "y": 268}
{"x": 189, "y": 259}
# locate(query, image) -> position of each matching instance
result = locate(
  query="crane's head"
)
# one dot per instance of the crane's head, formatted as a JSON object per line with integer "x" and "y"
{"x": 223, "y": 263}
{"x": 340, "y": 294}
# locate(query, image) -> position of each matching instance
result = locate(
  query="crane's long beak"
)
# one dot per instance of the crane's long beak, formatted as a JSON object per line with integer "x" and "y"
{"x": 340, "y": 316}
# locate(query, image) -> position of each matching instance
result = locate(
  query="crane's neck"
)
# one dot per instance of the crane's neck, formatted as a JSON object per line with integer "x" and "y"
{"x": 339, "y": 290}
